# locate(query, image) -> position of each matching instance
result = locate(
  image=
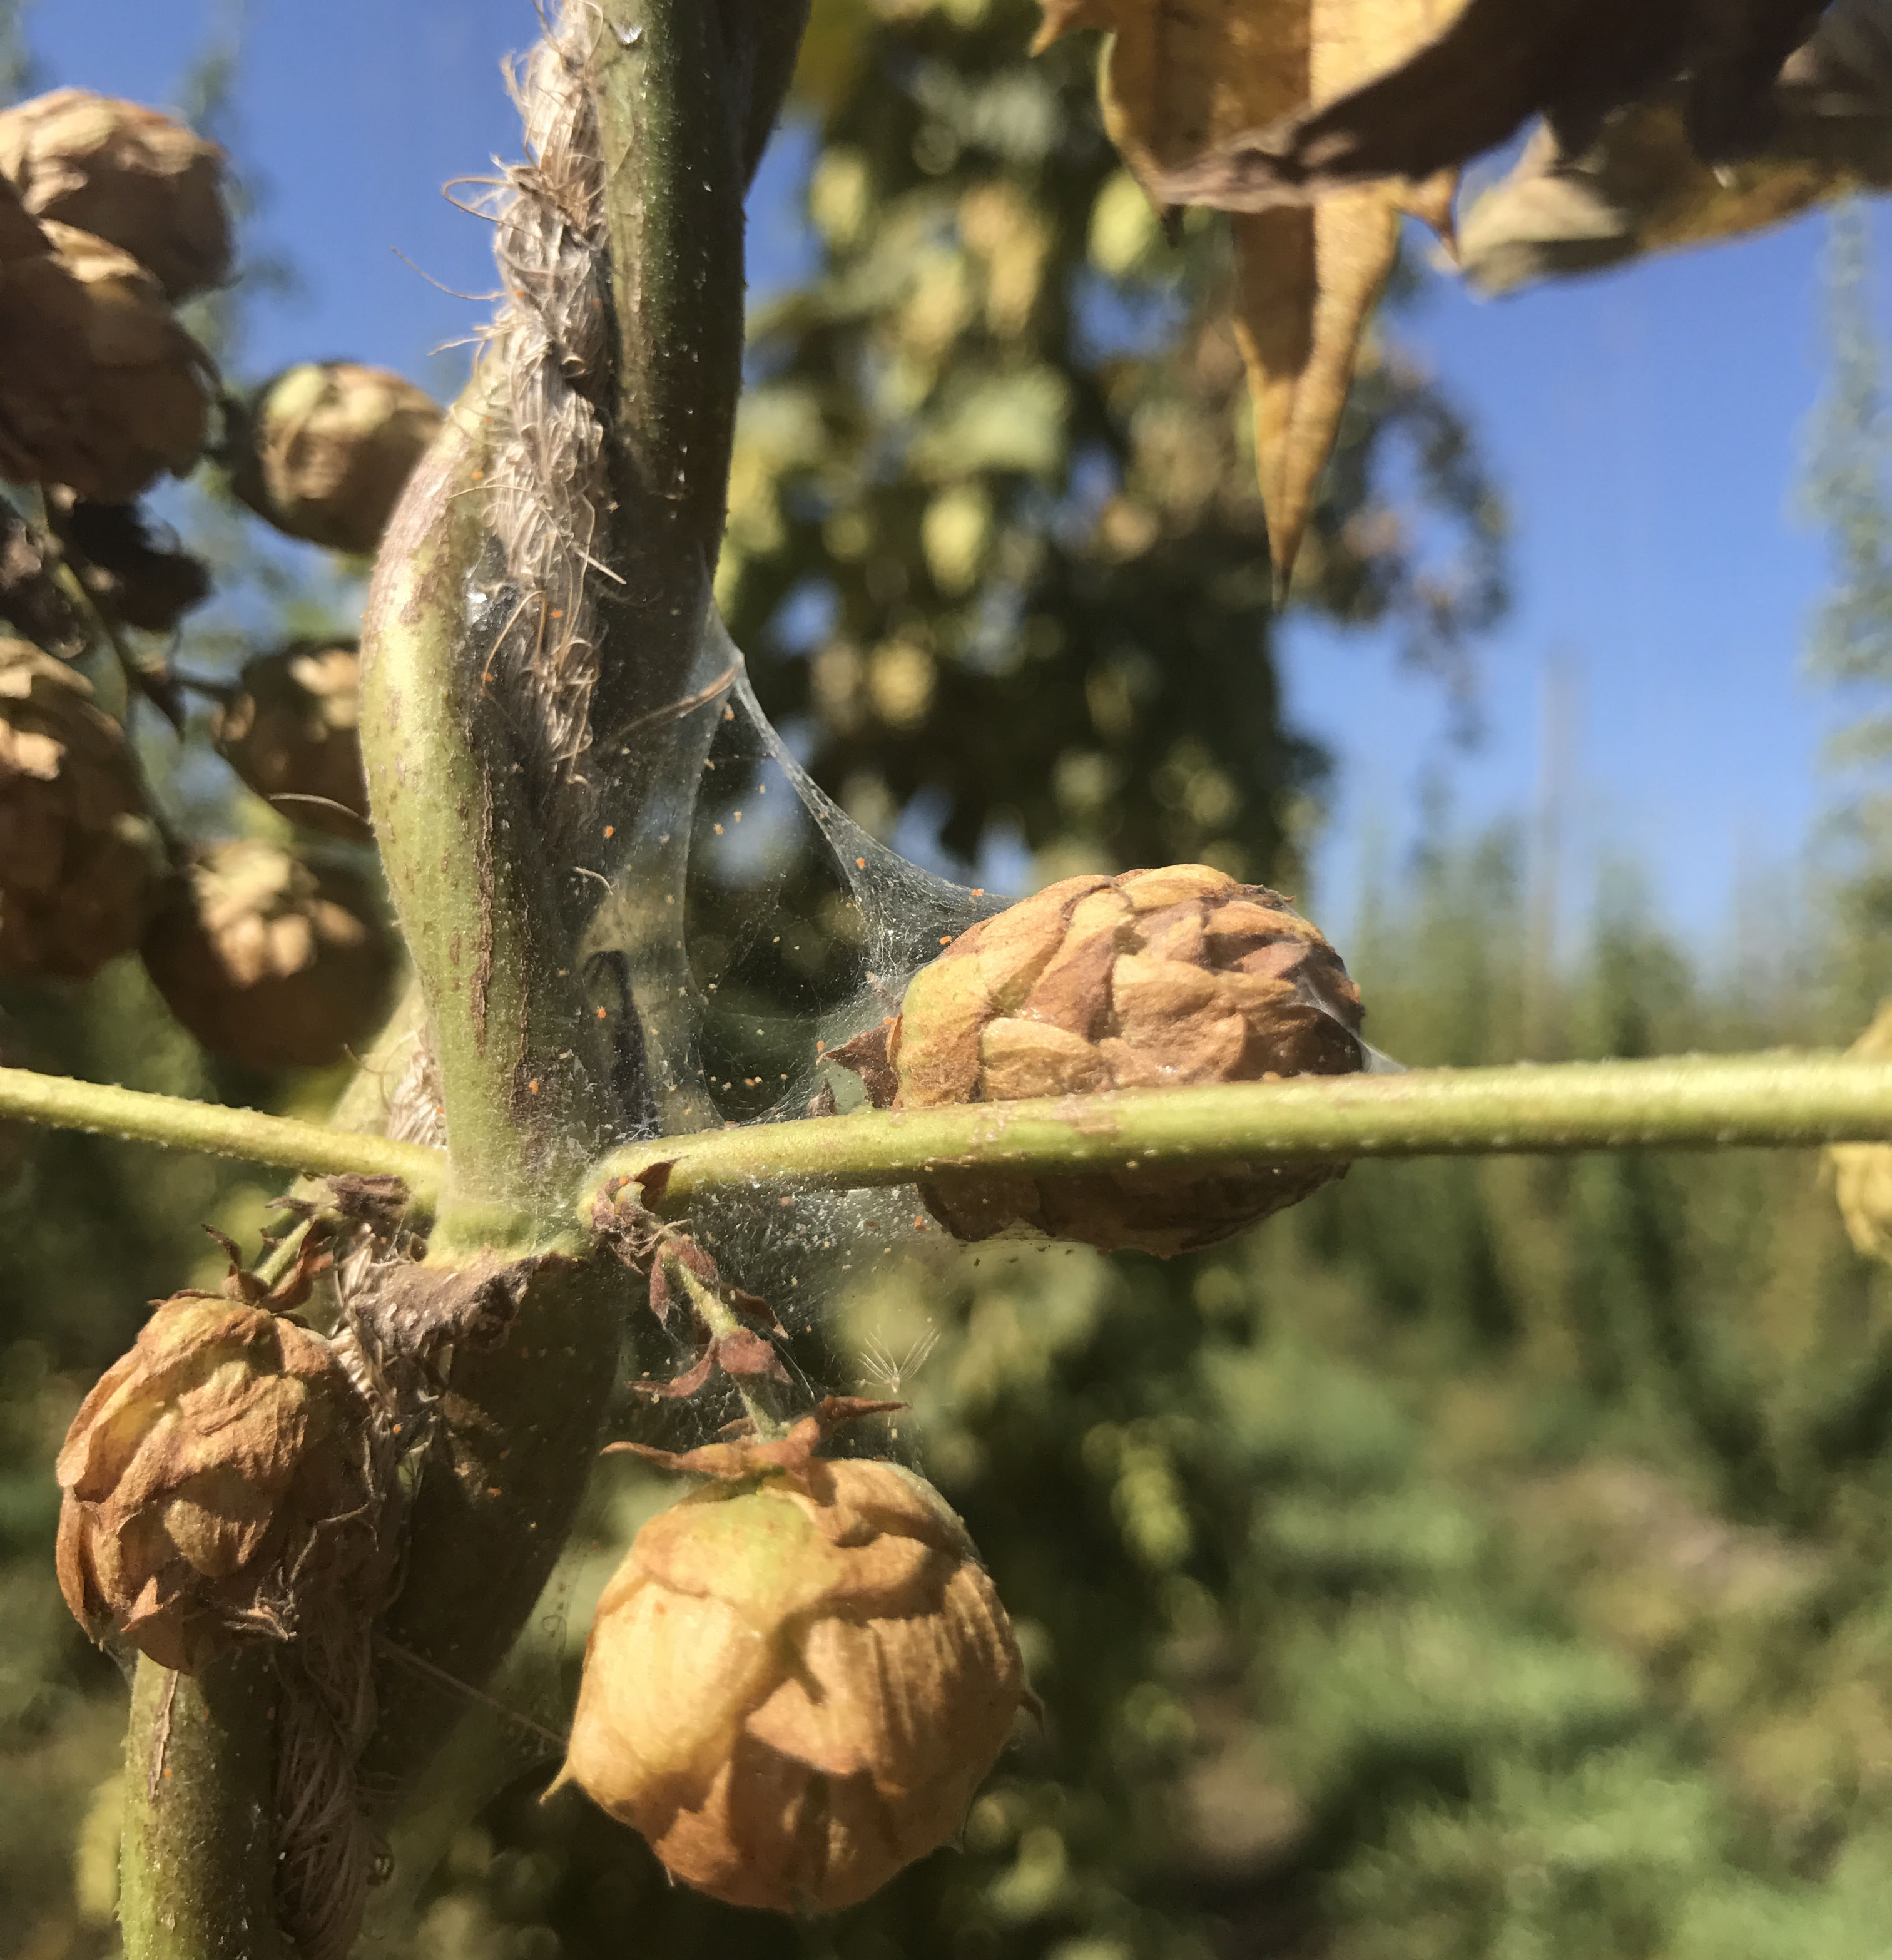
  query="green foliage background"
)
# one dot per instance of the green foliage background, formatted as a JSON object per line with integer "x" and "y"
{"x": 1485, "y": 1559}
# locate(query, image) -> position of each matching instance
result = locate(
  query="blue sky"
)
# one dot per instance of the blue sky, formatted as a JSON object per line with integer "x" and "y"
{"x": 1646, "y": 426}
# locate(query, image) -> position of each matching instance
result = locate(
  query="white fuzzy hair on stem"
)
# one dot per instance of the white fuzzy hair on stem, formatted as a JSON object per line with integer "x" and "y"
{"x": 546, "y": 481}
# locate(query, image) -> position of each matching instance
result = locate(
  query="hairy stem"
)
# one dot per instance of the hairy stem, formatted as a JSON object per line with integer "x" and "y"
{"x": 197, "y": 1864}
{"x": 471, "y": 883}
{"x": 1688, "y": 1104}
{"x": 1762, "y": 1101}
{"x": 61, "y": 1102}
{"x": 521, "y": 1076}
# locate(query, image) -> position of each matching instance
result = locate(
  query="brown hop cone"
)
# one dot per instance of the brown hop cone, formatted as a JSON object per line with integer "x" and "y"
{"x": 31, "y": 598}
{"x": 80, "y": 861}
{"x": 209, "y": 1475}
{"x": 274, "y": 962}
{"x": 101, "y": 388}
{"x": 322, "y": 450}
{"x": 140, "y": 581}
{"x": 1154, "y": 978}
{"x": 795, "y": 1683}
{"x": 292, "y": 734}
{"x": 1862, "y": 1173}
{"x": 125, "y": 172}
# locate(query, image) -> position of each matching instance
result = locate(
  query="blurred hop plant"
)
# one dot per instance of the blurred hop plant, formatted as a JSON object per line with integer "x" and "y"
{"x": 214, "y": 1473}
{"x": 1862, "y": 1173}
{"x": 80, "y": 861}
{"x": 322, "y": 449}
{"x": 1162, "y": 977}
{"x": 797, "y": 1679}
{"x": 101, "y": 388}
{"x": 126, "y": 173}
{"x": 290, "y": 732}
{"x": 276, "y": 963}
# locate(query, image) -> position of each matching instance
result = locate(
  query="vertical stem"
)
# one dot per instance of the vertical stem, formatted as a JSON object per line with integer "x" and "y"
{"x": 768, "y": 36}
{"x": 670, "y": 127}
{"x": 678, "y": 114}
{"x": 198, "y": 1865}
{"x": 684, "y": 92}
{"x": 521, "y": 1077}
{"x": 472, "y": 886}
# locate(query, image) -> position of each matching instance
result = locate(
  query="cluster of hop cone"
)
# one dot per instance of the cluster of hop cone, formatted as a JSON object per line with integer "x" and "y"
{"x": 112, "y": 215}
{"x": 802, "y": 1671}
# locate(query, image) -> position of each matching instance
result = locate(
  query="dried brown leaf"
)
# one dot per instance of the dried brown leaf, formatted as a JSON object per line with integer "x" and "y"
{"x": 1641, "y": 188}
{"x": 749, "y": 1356}
{"x": 1184, "y": 90}
{"x": 679, "y": 1388}
{"x": 791, "y": 1455}
{"x": 1500, "y": 62}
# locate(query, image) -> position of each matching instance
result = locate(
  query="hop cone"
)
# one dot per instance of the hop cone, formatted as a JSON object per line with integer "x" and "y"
{"x": 1862, "y": 1173}
{"x": 126, "y": 173}
{"x": 80, "y": 861}
{"x": 793, "y": 1688}
{"x": 100, "y": 389}
{"x": 1155, "y": 977}
{"x": 200, "y": 1475}
{"x": 322, "y": 450}
{"x": 291, "y": 734}
{"x": 273, "y": 962}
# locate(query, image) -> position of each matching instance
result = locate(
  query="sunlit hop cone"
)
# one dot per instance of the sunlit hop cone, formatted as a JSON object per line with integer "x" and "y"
{"x": 291, "y": 734}
{"x": 101, "y": 388}
{"x": 274, "y": 962}
{"x": 1151, "y": 979}
{"x": 213, "y": 1470}
{"x": 323, "y": 450}
{"x": 127, "y": 173}
{"x": 1862, "y": 1173}
{"x": 795, "y": 1682}
{"x": 80, "y": 861}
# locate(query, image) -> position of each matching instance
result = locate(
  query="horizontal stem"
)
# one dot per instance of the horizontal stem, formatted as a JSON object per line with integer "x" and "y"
{"x": 64, "y": 1103}
{"x": 1691, "y": 1103}
{"x": 1707, "y": 1103}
